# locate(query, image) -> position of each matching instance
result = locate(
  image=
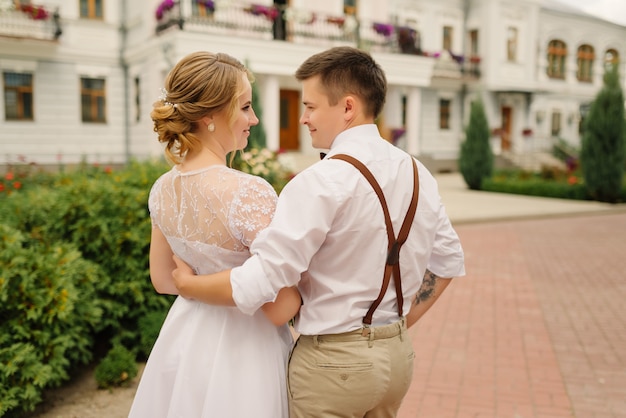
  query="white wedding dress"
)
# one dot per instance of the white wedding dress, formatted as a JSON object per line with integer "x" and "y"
{"x": 213, "y": 361}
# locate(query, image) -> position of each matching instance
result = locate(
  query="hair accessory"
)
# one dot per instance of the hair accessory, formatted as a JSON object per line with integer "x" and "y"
{"x": 211, "y": 127}
{"x": 163, "y": 98}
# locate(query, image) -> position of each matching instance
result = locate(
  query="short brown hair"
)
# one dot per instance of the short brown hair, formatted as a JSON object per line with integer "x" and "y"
{"x": 200, "y": 84}
{"x": 345, "y": 70}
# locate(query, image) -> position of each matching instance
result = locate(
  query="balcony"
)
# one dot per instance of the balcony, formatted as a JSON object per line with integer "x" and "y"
{"x": 28, "y": 21}
{"x": 288, "y": 24}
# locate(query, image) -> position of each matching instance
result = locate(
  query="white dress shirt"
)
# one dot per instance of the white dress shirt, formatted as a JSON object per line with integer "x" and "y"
{"x": 328, "y": 236}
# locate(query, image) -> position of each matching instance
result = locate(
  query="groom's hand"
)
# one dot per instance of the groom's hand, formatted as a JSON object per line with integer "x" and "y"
{"x": 214, "y": 289}
{"x": 182, "y": 275}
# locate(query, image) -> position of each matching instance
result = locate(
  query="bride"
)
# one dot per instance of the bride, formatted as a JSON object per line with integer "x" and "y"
{"x": 211, "y": 361}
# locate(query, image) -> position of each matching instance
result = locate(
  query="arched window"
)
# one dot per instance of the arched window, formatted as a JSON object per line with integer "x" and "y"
{"x": 584, "y": 59}
{"x": 611, "y": 59}
{"x": 557, "y": 51}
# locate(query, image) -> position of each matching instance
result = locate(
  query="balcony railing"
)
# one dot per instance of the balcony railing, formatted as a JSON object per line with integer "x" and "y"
{"x": 299, "y": 26}
{"x": 30, "y": 21}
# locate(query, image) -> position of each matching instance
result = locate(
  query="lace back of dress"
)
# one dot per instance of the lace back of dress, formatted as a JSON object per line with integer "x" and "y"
{"x": 219, "y": 207}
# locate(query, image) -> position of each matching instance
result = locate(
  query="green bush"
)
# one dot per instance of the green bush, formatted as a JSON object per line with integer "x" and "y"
{"x": 557, "y": 185}
{"x": 49, "y": 313}
{"x": 476, "y": 157}
{"x": 536, "y": 187}
{"x": 117, "y": 368}
{"x": 149, "y": 328}
{"x": 604, "y": 142}
{"x": 74, "y": 275}
{"x": 108, "y": 221}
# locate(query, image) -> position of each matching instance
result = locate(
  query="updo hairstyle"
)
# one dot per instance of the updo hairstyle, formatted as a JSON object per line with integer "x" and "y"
{"x": 200, "y": 84}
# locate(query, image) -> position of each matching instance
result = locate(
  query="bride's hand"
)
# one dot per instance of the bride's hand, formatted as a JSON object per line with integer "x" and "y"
{"x": 182, "y": 275}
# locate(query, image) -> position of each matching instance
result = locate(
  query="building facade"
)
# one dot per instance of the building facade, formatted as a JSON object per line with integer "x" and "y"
{"x": 79, "y": 76}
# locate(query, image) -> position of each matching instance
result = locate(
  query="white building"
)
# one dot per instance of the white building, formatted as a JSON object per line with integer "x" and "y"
{"x": 79, "y": 79}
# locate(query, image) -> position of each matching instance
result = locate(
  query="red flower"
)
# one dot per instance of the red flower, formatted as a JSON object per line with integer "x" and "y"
{"x": 1, "y": 187}
{"x": 339, "y": 21}
{"x": 17, "y": 185}
{"x": 9, "y": 176}
{"x": 572, "y": 180}
{"x": 108, "y": 170}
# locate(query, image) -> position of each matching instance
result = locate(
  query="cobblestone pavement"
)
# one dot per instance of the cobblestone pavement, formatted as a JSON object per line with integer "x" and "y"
{"x": 537, "y": 328}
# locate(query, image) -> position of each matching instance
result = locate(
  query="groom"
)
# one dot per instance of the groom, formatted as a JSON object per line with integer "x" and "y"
{"x": 335, "y": 238}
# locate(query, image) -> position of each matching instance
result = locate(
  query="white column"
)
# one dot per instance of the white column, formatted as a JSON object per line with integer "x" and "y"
{"x": 270, "y": 100}
{"x": 393, "y": 108}
{"x": 413, "y": 120}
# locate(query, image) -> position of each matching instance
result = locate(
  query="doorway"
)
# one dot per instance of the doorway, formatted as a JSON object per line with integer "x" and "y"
{"x": 505, "y": 132}
{"x": 289, "y": 126}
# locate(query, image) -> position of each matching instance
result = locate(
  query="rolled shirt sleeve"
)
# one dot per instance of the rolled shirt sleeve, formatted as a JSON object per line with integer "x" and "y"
{"x": 251, "y": 289}
{"x": 447, "y": 258}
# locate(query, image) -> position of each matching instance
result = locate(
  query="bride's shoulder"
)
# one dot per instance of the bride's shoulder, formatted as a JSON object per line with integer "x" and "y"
{"x": 246, "y": 179}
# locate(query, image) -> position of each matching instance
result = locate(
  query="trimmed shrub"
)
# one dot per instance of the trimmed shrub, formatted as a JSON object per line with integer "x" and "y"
{"x": 476, "y": 157}
{"x": 604, "y": 142}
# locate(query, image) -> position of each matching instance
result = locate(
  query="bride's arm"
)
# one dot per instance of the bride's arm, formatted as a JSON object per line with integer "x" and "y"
{"x": 285, "y": 307}
{"x": 215, "y": 289}
{"x": 161, "y": 264}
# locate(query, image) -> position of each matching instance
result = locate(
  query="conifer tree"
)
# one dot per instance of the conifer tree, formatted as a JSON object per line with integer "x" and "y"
{"x": 476, "y": 157}
{"x": 257, "y": 137}
{"x": 603, "y": 143}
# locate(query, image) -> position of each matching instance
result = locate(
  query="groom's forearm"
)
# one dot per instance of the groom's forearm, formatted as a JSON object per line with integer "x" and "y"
{"x": 213, "y": 289}
{"x": 432, "y": 287}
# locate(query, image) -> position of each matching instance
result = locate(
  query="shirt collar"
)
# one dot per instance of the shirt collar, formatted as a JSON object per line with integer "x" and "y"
{"x": 356, "y": 135}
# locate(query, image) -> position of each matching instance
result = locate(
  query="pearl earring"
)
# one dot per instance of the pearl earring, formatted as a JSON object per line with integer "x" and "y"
{"x": 211, "y": 127}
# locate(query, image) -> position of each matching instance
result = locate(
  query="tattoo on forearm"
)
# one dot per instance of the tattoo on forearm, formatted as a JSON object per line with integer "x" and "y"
{"x": 427, "y": 289}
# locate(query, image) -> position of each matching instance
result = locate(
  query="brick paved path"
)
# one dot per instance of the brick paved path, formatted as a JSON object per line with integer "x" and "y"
{"x": 537, "y": 329}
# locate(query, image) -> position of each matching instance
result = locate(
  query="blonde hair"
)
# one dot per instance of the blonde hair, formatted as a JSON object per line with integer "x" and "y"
{"x": 200, "y": 84}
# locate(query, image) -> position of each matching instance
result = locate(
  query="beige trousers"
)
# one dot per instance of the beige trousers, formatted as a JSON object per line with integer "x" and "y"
{"x": 350, "y": 375}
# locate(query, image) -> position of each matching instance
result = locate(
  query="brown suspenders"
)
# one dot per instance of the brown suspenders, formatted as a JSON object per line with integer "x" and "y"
{"x": 393, "y": 249}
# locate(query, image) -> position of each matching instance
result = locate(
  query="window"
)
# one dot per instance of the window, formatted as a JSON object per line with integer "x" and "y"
{"x": 556, "y": 123}
{"x": 511, "y": 44}
{"x": 611, "y": 59}
{"x": 91, "y": 9}
{"x": 473, "y": 43}
{"x": 18, "y": 96}
{"x": 557, "y": 51}
{"x": 447, "y": 38}
{"x": 444, "y": 114}
{"x": 585, "y": 59}
{"x": 93, "y": 99}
